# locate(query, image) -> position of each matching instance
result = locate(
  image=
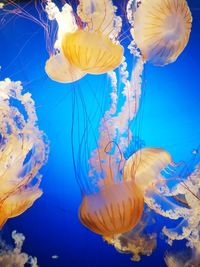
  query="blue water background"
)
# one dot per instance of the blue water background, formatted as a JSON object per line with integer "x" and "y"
{"x": 170, "y": 118}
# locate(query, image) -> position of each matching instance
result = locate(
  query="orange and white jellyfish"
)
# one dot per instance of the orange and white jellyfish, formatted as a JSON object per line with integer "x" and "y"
{"x": 110, "y": 204}
{"x": 160, "y": 29}
{"x": 23, "y": 151}
{"x": 90, "y": 46}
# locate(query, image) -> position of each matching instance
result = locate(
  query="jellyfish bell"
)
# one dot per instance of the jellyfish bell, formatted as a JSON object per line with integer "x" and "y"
{"x": 115, "y": 209}
{"x": 162, "y": 29}
{"x": 60, "y": 70}
{"x": 91, "y": 52}
{"x": 145, "y": 165}
{"x": 18, "y": 202}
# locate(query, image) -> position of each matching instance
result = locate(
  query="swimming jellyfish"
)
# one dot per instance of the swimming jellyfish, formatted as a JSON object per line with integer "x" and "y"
{"x": 94, "y": 47}
{"x": 23, "y": 151}
{"x": 113, "y": 205}
{"x": 161, "y": 29}
{"x": 90, "y": 46}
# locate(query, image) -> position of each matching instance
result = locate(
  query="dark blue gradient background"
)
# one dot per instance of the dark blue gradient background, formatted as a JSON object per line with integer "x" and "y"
{"x": 170, "y": 119}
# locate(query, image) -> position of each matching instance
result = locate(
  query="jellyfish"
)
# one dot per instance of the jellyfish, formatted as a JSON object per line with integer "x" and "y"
{"x": 160, "y": 29}
{"x": 94, "y": 48}
{"x": 90, "y": 47}
{"x": 23, "y": 151}
{"x": 14, "y": 256}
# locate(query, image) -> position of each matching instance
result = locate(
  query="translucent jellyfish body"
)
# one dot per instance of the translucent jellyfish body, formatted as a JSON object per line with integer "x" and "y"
{"x": 162, "y": 29}
{"x": 115, "y": 209}
{"x": 23, "y": 151}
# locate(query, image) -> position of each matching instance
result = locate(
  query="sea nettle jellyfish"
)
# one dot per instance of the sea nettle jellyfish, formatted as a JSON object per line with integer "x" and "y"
{"x": 23, "y": 151}
{"x": 89, "y": 46}
{"x": 161, "y": 29}
{"x": 110, "y": 204}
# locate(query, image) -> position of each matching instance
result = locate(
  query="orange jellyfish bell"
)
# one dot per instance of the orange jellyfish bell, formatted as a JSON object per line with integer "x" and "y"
{"x": 17, "y": 203}
{"x": 91, "y": 52}
{"x": 162, "y": 29}
{"x": 115, "y": 209}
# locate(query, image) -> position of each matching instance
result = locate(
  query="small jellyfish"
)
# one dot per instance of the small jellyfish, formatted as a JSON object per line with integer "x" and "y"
{"x": 161, "y": 29}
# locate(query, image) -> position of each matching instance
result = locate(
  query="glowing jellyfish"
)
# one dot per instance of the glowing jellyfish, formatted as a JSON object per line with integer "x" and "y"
{"x": 14, "y": 256}
{"x": 161, "y": 29}
{"x": 22, "y": 151}
{"x": 90, "y": 47}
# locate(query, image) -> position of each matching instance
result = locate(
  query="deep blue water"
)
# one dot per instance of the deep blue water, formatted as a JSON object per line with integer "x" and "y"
{"x": 170, "y": 118}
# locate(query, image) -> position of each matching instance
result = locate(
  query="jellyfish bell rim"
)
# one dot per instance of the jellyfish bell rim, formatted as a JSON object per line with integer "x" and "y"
{"x": 100, "y": 42}
{"x": 133, "y": 221}
{"x": 51, "y": 70}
